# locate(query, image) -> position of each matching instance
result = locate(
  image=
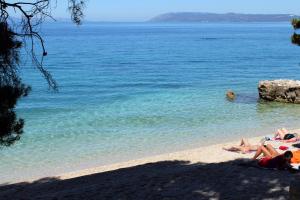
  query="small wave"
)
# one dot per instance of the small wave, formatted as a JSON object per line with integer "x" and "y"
{"x": 210, "y": 38}
{"x": 150, "y": 85}
{"x": 128, "y": 63}
{"x": 247, "y": 99}
{"x": 197, "y": 61}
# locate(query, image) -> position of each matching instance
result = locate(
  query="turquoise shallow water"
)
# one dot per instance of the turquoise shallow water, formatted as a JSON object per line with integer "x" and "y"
{"x": 129, "y": 90}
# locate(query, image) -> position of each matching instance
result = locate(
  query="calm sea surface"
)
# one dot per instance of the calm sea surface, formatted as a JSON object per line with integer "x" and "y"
{"x": 130, "y": 90}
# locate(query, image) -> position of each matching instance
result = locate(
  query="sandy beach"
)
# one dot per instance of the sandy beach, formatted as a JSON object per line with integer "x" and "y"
{"x": 203, "y": 173}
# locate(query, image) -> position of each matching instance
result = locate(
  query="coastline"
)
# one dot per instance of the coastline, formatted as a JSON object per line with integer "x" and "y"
{"x": 163, "y": 103}
{"x": 206, "y": 154}
{"x": 201, "y": 173}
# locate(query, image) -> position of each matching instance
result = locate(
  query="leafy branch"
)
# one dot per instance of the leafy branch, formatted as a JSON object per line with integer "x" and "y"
{"x": 16, "y": 33}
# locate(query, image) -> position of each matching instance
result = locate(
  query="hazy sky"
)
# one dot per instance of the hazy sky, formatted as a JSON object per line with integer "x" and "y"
{"x": 141, "y": 10}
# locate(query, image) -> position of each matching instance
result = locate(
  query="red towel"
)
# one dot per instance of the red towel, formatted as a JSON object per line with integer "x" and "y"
{"x": 283, "y": 148}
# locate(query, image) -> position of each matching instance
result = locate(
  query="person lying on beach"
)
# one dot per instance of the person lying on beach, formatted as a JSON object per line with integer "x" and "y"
{"x": 244, "y": 147}
{"x": 284, "y": 135}
{"x": 272, "y": 159}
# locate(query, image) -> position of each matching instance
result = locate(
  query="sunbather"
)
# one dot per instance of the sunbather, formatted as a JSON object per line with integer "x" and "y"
{"x": 244, "y": 147}
{"x": 272, "y": 159}
{"x": 286, "y": 136}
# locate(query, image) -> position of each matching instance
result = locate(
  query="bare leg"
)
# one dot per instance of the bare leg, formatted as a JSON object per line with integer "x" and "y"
{"x": 276, "y": 133}
{"x": 245, "y": 142}
{"x": 258, "y": 152}
{"x": 273, "y": 151}
{"x": 284, "y": 130}
{"x": 242, "y": 142}
{"x": 262, "y": 150}
{"x": 253, "y": 147}
{"x": 280, "y": 133}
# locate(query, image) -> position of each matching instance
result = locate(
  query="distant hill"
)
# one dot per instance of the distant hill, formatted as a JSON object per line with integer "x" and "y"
{"x": 228, "y": 17}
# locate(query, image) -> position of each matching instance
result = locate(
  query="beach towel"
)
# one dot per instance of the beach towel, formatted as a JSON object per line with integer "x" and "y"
{"x": 283, "y": 148}
{"x": 296, "y": 157}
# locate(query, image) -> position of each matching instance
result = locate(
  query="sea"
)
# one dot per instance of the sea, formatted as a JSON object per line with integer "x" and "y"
{"x": 133, "y": 90}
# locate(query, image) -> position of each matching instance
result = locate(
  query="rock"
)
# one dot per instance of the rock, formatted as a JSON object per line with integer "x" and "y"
{"x": 230, "y": 95}
{"x": 287, "y": 91}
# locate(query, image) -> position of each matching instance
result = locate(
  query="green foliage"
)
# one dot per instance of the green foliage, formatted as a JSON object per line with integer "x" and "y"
{"x": 296, "y": 37}
{"x": 11, "y": 88}
{"x": 13, "y": 33}
{"x": 11, "y": 127}
{"x": 9, "y": 54}
{"x": 296, "y": 23}
{"x": 76, "y": 9}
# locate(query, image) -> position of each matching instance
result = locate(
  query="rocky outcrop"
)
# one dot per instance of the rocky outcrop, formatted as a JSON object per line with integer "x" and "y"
{"x": 230, "y": 95}
{"x": 287, "y": 91}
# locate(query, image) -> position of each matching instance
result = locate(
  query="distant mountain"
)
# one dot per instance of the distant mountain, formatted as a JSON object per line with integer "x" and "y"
{"x": 228, "y": 17}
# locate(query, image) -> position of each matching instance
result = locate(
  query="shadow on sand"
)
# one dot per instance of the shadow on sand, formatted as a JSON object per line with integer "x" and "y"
{"x": 162, "y": 180}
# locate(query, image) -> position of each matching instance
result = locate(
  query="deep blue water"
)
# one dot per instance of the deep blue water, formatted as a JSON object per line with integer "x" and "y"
{"x": 129, "y": 90}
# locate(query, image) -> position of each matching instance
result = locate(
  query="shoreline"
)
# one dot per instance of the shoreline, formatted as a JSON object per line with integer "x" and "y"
{"x": 206, "y": 154}
{"x": 195, "y": 155}
{"x": 199, "y": 173}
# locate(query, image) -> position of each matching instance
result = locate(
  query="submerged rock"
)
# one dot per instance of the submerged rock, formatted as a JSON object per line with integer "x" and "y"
{"x": 287, "y": 91}
{"x": 230, "y": 95}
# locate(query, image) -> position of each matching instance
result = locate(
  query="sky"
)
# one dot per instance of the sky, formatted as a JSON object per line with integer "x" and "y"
{"x": 142, "y": 10}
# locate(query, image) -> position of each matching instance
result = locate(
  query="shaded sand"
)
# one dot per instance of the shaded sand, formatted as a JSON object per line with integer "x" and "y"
{"x": 203, "y": 173}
